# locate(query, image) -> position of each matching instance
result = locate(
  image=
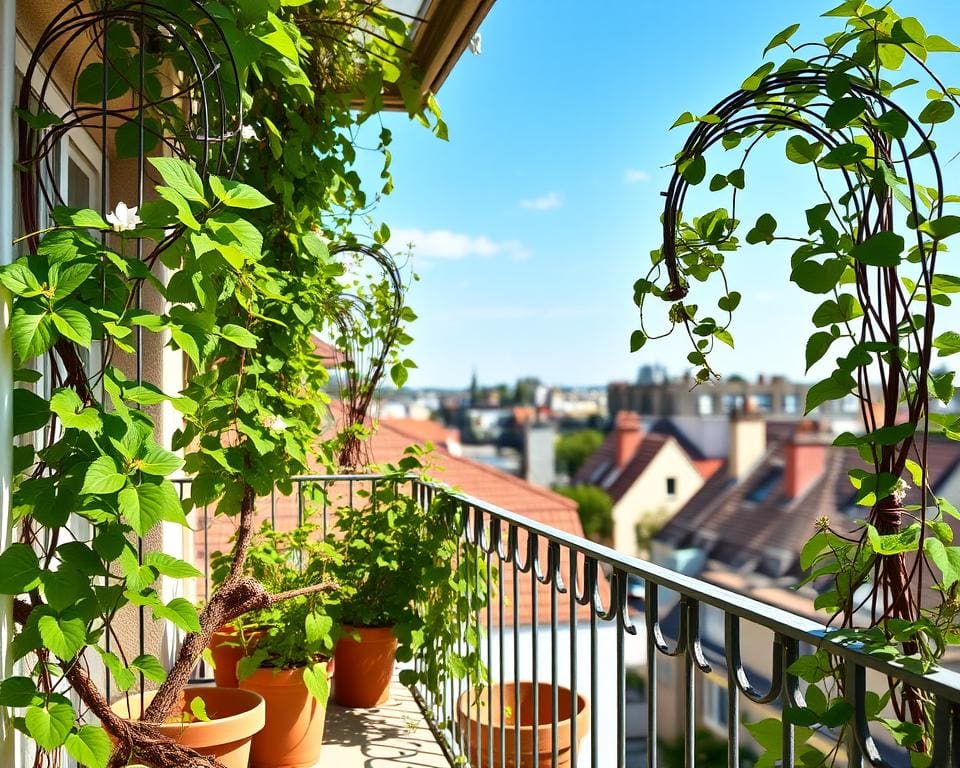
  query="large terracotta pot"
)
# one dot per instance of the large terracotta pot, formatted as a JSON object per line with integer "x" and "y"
{"x": 235, "y": 716}
{"x": 227, "y": 647}
{"x": 483, "y": 715}
{"x": 365, "y": 658}
{"x": 293, "y": 732}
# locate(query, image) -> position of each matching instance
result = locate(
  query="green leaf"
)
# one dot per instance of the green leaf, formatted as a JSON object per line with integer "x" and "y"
{"x": 180, "y": 176}
{"x": 65, "y": 637}
{"x": 30, "y": 411}
{"x": 637, "y": 340}
{"x": 127, "y": 138}
{"x": 90, "y": 84}
{"x": 844, "y": 155}
{"x": 893, "y": 434}
{"x": 817, "y": 347}
{"x": 835, "y": 387}
{"x": 684, "y": 119}
{"x": 90, "y": 746}
{"x": 235, "y": 334}
{"x": 942, "y": 227}
{"x": 158, "y": 461}
{"x": 162, "y": 499}
{"x": 102, "y": 477}
{"x": 122, "y": 676}
{"x": 881, "y": 250}
{"x": 801, "y": 151}
{"x": 69, "y": 409}
{"x": 694, "y": 170}
{"x": 74, "y": 325}
{"x": 947, "y": 343}
{"x": 814, "y": 277}
{"x": 936, "y": 112}
{"x": 895, "y": 543}
{"x": 31, "y": 331}
{"x": 893, "y": 123}
{"x": 399, "y": 375}
{"x": 151, "y": 668}
{"x": 236, "y": 195}
{"x": 18, "y": 692}
{"x": 199, "y": 709}
{"x": 763, "y": 231}
{"x": 83, "y": 218}
{"x": 315, "y": 678}
{"x": 937, "y": 44}
{"x": 844, "y": 111}
{"x": 49, "y": 726}
{"x": 184, "y": 211}
{"x": 846, "y": 308}
{"x": 725, "y": 336}
{"x": 19, "y": 569}
{"x": 19, "y": 280}
{"x": 781, "y": 38}
{"x": 180, "y": 613}
{"x": 947, "y": 559}
{"x": 729, "y": 302}
{"x": 168, "y": 565}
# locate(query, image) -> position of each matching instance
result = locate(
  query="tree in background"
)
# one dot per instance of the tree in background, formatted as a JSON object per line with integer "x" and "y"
{"x": 595, "y": 508}
{"x": 575, "y": 448}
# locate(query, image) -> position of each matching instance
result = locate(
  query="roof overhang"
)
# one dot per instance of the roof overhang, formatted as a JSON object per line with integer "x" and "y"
{"x": 441, "y": 32}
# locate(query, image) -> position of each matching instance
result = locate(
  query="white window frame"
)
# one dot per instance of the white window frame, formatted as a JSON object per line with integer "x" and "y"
{"x": 714, "y": 706}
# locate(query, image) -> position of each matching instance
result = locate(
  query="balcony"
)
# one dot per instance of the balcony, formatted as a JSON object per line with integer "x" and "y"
{"x": 565, "y": 616}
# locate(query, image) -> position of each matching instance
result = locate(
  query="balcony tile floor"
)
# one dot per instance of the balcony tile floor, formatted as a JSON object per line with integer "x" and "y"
{"x": 395, "y": 734}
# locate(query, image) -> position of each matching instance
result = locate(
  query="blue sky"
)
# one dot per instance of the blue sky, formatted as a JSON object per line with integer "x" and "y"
{"x": 536, "y": 218}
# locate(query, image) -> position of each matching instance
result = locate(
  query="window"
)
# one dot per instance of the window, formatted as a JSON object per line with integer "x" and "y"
{"x": 714, "y": 705}
{"x": 705, "y": 405}
{"x": 763, "y": 403}
{"x": 671, "y": 486}
{"x": 791, "y": 404}
{"x": 712, "y": 625}
{"x": 762, "y": 490}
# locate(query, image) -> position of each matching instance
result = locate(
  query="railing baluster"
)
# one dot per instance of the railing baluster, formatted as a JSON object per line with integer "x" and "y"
{"x": 554, "y": 692}
{"x": 619, "y": 581}
{"x": 731, "y": 634}
{"x": 592, "y": 568}
{"x": 533, "y": 550}
{"x": 572, "y": 591}
{"x": 651, "y": 596}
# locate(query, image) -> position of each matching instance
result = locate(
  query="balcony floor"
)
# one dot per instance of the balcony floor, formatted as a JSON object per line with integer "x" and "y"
{"x": 392, "y": 735}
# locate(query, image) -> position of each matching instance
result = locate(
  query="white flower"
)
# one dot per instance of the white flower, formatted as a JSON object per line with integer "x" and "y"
{"x": 278, "y": 424}
{"x": 123, "y": 219}
{"x": 476, "y": 44}
{"x": 248, "y": 132}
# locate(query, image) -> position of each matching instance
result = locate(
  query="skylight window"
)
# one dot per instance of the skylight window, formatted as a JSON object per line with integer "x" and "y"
{"x": 762, "y": 490}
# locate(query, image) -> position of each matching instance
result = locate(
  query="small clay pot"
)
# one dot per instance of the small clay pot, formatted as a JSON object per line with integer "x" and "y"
{"x": 482, "y": 716}
{"x": 293, "y": 733}
{"x": 235, "y": 716}
{"x": 364, "y": 666}
{"x": 227, "y": 648}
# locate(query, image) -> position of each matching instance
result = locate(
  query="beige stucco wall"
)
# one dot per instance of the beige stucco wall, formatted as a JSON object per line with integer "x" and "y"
{"x": 647, "y": 497}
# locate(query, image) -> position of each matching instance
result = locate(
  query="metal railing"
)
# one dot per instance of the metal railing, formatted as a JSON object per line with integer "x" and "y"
{"x": 562, "y": 616}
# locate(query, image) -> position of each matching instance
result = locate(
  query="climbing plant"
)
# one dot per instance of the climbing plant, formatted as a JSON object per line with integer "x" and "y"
{"x": 858, "y": 111}
{"x": 242, "y": 118}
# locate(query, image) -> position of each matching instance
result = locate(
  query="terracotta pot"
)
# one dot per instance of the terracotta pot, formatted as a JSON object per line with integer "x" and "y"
{"x": 364, "y": 666}
{"x": 227, "y": 648}
{"x": 293, "y": 732}
{"x": 483, "y": 715}
{"x": 235, "y": 716}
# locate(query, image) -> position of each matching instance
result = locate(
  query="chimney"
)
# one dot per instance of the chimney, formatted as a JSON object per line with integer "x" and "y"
{"x": 805, "y": 459}
{"x": 628, "y": 434}
{"x": 748, "y": 442}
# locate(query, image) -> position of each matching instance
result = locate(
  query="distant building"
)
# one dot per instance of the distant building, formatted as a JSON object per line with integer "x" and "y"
{"x": 774, "y": 396}
{"x": 649, "y": 474}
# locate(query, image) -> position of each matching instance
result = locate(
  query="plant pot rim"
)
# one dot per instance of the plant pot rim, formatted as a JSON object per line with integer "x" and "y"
{"x": 468, "y": 707}
{"x": 286, "y": 673}
{"x": 387, "y": 630}
{"x": 256, "y": 709}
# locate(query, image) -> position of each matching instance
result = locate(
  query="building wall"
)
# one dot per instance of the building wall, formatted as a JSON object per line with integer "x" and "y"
{"x": 648, "y": 497}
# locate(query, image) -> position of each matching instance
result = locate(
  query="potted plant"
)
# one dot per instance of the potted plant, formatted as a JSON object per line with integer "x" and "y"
{"x": 218, "y": 722}
{"x": 489, "y": 713}
{"x": 289, "y": 663}
{"x": 382, "y": 541}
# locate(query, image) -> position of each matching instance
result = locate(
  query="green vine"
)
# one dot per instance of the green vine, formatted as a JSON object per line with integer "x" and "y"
{"x": 870, "y": 248}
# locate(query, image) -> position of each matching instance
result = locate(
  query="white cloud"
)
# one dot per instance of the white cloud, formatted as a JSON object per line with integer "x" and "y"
{"x": 635, "y": 176}
{"x": 545, "y": 202}
{"x": 448, "y": 245}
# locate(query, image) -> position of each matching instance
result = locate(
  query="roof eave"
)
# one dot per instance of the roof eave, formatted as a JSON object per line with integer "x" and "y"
{"x": 440, "y": 40}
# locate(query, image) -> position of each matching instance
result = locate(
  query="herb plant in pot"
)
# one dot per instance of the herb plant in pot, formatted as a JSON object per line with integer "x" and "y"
{"x": 385, "y": 551}
{"x": 290, "y": 665}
